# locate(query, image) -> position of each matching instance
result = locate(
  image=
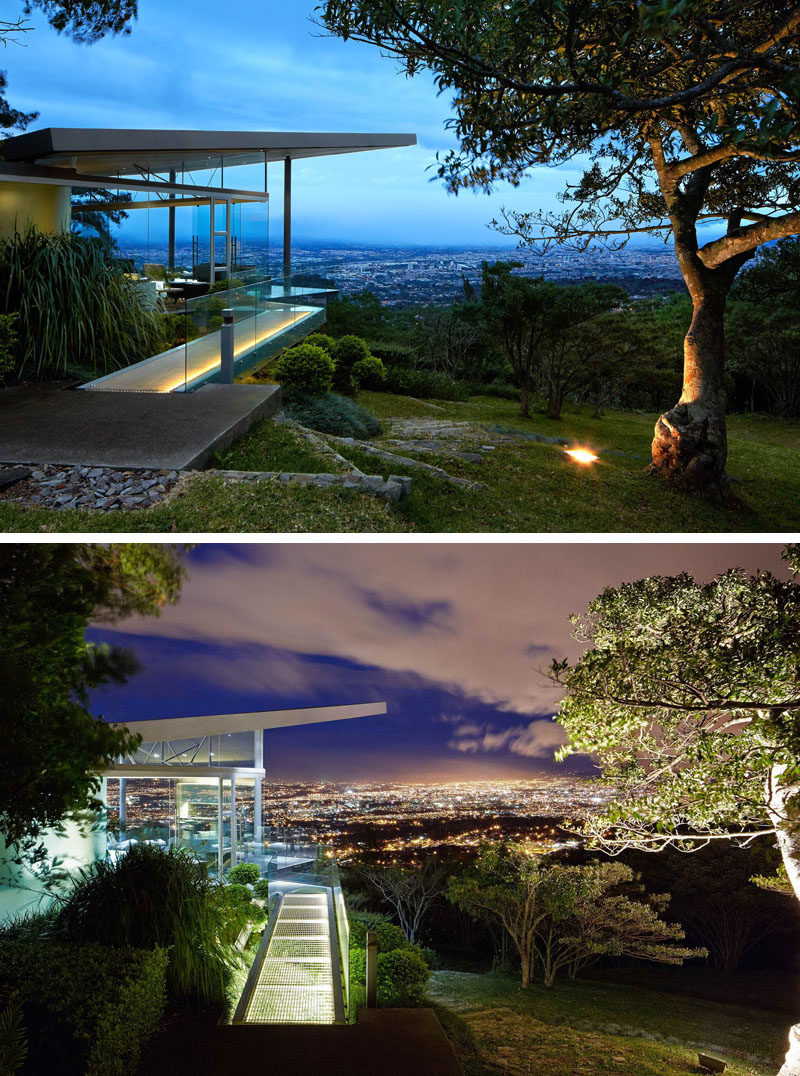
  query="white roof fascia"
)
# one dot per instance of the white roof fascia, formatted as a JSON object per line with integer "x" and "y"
{"x": 183, "y": 728}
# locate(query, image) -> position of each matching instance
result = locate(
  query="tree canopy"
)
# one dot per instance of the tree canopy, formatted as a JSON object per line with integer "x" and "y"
{"x": 52, "y": 747}
{"x": 85, "y": 21}
{"x": 678, "y": 114}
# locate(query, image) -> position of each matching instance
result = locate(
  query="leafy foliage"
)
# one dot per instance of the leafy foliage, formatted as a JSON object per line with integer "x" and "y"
{"x": 8, "y": 343}
{"x": 687, "y": 693}
{"x": 77, "y": 306}
{"x": 369, "y": 373}
{"x": 402, "y": 969}
{"x": 109, "y": 999}
{"x": 13, "y": 1039}
{"x": 244, "y": 873}
{"x": 347, "y": 352}
{"x": 156, "y": 899}
{"x": 563, "y": 917}
{"x": 307, "y": 368}
{"x": 53, "y": 747}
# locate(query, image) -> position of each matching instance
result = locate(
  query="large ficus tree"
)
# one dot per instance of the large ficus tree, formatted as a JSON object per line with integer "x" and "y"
{"x": 688, "y": 695}
{"x": 681, "y": 114}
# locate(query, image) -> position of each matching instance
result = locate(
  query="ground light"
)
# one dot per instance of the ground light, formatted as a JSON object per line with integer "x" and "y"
{"x": 582, "y": 455}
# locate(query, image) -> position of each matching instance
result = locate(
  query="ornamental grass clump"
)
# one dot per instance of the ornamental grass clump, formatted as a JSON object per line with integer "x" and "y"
{"x": 154, "y": 898}
{"x": 74, "y": 307}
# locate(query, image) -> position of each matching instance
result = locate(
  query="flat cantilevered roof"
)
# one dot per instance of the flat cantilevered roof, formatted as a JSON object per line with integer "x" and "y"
{"x": 110, "y": 151}
{"x": 181, "y": 728}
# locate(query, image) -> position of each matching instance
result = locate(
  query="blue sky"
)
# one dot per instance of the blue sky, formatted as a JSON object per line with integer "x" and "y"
{"x": 453, "y": 637}
{"x": 261, "y": 65}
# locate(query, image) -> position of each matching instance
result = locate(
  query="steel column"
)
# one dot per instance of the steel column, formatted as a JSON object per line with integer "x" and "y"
{"x": 287, "y": 217}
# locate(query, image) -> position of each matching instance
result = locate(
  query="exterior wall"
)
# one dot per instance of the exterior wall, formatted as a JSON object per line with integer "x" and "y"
{"x": 21, "y": 891}
{"x": 46, "y": 206}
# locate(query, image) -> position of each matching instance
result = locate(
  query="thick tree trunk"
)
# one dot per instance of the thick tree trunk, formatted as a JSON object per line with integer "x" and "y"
{"x": 525, "y": 961}
{"x": 524, "y": 401}
{"x": 784, "y": 810}
{"x": 690, "y": 445}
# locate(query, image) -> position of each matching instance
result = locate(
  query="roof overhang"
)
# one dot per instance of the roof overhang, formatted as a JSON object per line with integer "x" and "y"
{"x": 112, "y": 151}
{"x": 183, "y": 728}
{"x": 147, "y": 772}
{"x": 69, "y": 177}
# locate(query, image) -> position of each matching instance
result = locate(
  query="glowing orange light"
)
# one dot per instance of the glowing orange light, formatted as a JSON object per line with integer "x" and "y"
{"x": 581, "y": 455}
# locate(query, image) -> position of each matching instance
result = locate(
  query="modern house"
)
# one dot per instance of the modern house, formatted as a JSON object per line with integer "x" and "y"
{"x": 173, "y": 176}
{"x": 194, "y": 783}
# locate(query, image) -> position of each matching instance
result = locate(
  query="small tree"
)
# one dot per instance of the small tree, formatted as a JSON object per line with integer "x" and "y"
{"x": 410, "y": 893}
{"x": 688, "y": 112}
{"x": 689, "y": 696}
{"x": 591, "y": 914}
{"x": 505, "y": 885}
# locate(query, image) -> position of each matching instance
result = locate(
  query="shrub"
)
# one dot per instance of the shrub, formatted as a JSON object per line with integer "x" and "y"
{"x": 390, "y": 936}
{"x": 331, "y": 414}
{"x": 8, "y": 343}
{"x": 109, "y": 999}
{"x": 424, "y": 384}
{"x": 321, "y": 340}
{"x": 402, "y": 978}
{"x": 236, "y": 893}
{"x": 369, "y": 373}
{"x": 501, "y": 389}
{"x": 349, "y": 351}
{"x": 76, "y": 305}
{"x": 153, "y": 898}
{"x": 307, "y": 368}
{"x": 261, "y": 889}
{"x": 244, "y": 873}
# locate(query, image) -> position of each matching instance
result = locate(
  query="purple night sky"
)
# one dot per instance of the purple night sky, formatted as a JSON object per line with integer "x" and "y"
{"x": 451, "y": 636}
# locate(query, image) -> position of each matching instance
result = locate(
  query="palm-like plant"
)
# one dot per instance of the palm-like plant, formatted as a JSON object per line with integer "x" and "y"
{"x": 149, "y": 898}
{"x": 75, "y": 307}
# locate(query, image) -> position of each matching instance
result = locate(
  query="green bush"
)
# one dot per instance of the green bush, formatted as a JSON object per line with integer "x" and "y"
{"x": 331, "y": 414}
{"x": 321, "y": 340}
{"x": 402, "y": 978}
{"x": 307, "y": 368}
{"x": 109, "y": 999}
{"x": 369, "y": 373}
{"x": 244, "y": 873}
{"x": 390, "y": 936}
{"x": 8, "y": 343}
{"x": 348, "y": 351}
{"x": 237, "y": 893}
{"x": 424, "y": 385}
{"x": 261, "y": 889}
{"x": 501, "y": 389}
{"x": 78, "y": 308}
{"x": 153, "y": 898}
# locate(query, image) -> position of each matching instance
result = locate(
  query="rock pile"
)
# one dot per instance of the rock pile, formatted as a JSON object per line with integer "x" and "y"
{"x": 101, "y": 489}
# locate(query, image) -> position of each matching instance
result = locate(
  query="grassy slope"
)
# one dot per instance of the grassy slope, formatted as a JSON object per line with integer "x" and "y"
{"x": 592, "y": 1028}
{"x": 527, "y": 487}
{"x": 534, "y": 487}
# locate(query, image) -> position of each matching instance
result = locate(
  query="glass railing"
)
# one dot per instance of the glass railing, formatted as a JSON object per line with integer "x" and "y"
{"x": 304, "y": 885}
{"x": 268, "y": 315}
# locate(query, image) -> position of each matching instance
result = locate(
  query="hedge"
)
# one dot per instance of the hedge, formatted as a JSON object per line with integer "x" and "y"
{"x": 110, "y": 1000}
{"x": 402, "y": 970}
{"x": 424, "y": 385}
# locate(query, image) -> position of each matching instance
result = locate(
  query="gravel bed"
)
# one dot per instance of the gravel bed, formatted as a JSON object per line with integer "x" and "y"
{"x": 101, "y": 489}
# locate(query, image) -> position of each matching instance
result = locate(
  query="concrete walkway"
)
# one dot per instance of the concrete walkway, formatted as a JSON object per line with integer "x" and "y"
{"x": 385, "y": 1042}
{"x": 128, "y": 430}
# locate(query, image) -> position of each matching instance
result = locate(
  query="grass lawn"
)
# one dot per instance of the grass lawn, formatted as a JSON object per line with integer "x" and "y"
{"x": 527, "y": 487}
{"x": 594, "y": 1028}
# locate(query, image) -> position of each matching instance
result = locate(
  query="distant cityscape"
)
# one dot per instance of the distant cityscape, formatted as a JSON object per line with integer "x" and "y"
{"x": 403, "y": 277}
{"x": 395, "y": 823}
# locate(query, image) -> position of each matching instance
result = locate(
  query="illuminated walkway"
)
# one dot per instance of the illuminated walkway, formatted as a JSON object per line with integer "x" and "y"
{"x": 189, "y": 365}
{"x": 295, "y": 983}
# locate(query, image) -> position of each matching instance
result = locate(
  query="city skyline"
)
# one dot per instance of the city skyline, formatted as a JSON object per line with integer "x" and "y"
{"x": 454, "y": 638}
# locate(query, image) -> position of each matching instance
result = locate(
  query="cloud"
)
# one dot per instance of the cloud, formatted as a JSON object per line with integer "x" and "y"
{"x": 537, "y": 739}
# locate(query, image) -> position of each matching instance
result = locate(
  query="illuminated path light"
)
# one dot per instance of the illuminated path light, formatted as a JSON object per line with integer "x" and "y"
{"x": 582, "y": 455}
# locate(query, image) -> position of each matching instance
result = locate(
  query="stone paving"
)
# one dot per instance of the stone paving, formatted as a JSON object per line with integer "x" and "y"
{"x": 102, "y": 489}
